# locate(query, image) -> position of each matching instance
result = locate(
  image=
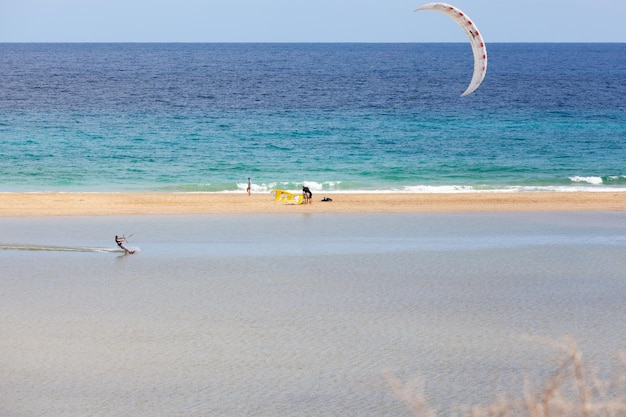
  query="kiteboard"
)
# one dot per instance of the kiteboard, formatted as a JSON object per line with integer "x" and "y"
{"x": 130, "y": 250}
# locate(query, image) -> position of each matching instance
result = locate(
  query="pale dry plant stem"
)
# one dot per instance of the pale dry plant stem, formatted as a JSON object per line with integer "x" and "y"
{"x": 529, "y": 399}
{"x": 411, "y": 394}
{"x": 580, "y": 380}
{"x": 553, "y": 386}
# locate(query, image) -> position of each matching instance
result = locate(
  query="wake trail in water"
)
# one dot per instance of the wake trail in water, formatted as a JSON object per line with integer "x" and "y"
{"x": 51, "y": 248}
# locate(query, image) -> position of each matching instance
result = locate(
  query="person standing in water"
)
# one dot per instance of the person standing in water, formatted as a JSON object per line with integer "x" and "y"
{"x": 249, "y": 186}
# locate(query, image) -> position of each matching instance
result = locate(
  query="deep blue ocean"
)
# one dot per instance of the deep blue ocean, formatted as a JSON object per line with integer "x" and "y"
{"x": 337, "y": 117}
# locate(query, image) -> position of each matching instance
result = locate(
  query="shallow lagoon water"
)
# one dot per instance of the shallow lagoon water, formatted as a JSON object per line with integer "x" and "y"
{"x": 295, "y": 315}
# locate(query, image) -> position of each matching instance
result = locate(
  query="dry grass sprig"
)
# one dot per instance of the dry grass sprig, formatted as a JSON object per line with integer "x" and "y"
{"x": 411, "y": 393}
{"x": 571, "y": 391}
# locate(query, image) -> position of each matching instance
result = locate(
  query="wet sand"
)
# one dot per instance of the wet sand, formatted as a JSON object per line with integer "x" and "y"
{"x": 102, "y": 204}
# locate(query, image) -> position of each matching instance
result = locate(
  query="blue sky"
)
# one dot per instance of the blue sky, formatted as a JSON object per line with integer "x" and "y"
{"x": 306, "y": 21}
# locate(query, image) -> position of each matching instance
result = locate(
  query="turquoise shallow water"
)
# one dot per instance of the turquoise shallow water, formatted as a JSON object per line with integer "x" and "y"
{"x": 297, "y": 315}
{"x": 337, "y": 117}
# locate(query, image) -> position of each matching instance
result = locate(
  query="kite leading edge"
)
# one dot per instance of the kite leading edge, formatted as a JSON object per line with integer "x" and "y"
{"x": 475, "y": 38}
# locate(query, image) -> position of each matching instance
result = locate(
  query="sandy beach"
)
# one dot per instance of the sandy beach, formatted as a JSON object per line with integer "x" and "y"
{"x": 99, "y": 204}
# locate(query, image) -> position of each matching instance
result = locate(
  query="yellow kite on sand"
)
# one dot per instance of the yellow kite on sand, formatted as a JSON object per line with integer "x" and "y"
{"x": 287, "y": 197}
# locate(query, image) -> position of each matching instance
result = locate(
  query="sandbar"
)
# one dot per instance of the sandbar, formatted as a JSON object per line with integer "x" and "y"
{"x": 122, "y": 203}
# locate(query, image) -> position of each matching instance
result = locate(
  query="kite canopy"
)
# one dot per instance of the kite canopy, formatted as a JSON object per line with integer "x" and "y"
{"x": 478, "y": 45}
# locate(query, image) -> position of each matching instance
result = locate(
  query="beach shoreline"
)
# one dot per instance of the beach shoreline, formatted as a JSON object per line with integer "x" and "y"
{"x": 123, "y": 203}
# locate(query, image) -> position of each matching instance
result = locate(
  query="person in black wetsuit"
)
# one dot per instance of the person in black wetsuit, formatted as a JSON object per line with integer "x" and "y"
{"x": 307, "y": 195}
{"x": 120, "y": 242}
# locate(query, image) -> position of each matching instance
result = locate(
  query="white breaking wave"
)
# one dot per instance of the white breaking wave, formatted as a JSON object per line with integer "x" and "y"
{"x": 291, "y": 186}
{"x": 588, "y": 180}
{"x": 459, "y": 189}
{"x": 578, "y": 183}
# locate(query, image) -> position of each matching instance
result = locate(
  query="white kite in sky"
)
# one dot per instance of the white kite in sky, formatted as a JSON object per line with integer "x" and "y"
{"x": 475, "y": 38}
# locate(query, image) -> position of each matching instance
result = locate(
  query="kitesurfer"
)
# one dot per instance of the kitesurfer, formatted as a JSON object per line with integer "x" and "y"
{"x": 120, "y": 242}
